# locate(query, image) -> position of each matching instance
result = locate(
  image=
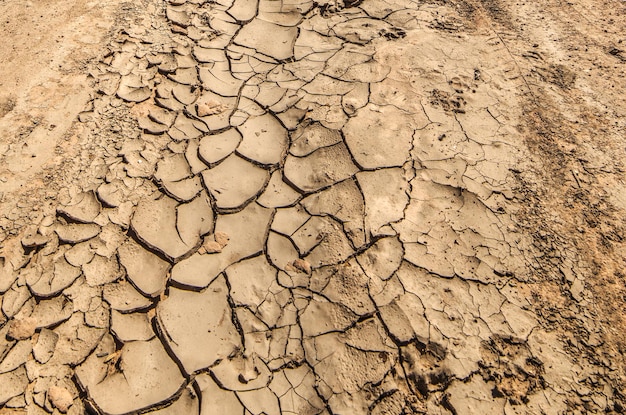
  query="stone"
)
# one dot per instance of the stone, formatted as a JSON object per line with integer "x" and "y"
{"x": 60, "y": 398}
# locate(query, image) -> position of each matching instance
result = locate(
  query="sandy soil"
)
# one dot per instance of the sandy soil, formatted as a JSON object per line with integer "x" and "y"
{"x": 252, "y": 206}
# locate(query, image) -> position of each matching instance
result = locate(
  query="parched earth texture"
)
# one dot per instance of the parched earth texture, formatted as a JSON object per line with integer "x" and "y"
{"x": 294, "y": 207}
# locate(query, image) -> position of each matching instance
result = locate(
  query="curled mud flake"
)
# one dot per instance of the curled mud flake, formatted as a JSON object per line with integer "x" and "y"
{"x": 74, "y": 233}
{"x": 21, "y": 328}
{"x": 154, "y": 222}
{"x": 322, "y": 168}
{"x": 12, "y": 384}
{"x": 268, "y": 38}
{"x": 133, "y": 89}
{"x": 34, "y": 240}
{"x": 122, "y": 296}
{"x": 265, "y": 140}
{"x": 189, "y": 319}
{"x": 209, "y": 55}
{"x": 84, "y": 210}
{"x": 146, "y": 376}
{"x": 56, "y": 280}
{"x": 219, "y": 79}
{"x": 177, "y": 15}
{"x": 144, "y": 269}
{"x": 16, "y": 356}
{"x": 215, "y": 399}
{"x": 131, "y": 327}
{"x": 224, "y": 184}
{"x": 379, "y": 137}
{"x": 43, "y": 350}
{"x": 185, "y": 76}
{"x": 216, "y": 147}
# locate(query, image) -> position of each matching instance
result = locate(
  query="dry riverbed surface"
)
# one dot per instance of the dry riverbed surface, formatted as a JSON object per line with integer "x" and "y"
{"x": 294, "y": 207}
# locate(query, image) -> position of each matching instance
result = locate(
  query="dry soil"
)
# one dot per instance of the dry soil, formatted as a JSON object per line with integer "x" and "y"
{"x": 297, "y": 207}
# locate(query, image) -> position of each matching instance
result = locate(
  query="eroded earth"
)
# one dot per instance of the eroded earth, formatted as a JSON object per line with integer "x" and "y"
{"x": 292, "y": 207}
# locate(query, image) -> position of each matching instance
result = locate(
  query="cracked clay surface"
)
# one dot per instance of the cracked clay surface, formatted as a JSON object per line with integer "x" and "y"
{"x": 291, "y": 207}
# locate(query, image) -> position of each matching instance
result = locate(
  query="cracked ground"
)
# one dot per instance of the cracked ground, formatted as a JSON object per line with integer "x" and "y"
{"x": 294, "y": 207}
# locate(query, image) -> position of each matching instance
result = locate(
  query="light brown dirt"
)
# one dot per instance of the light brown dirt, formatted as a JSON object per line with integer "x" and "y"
{"x": 375, "y": 207}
